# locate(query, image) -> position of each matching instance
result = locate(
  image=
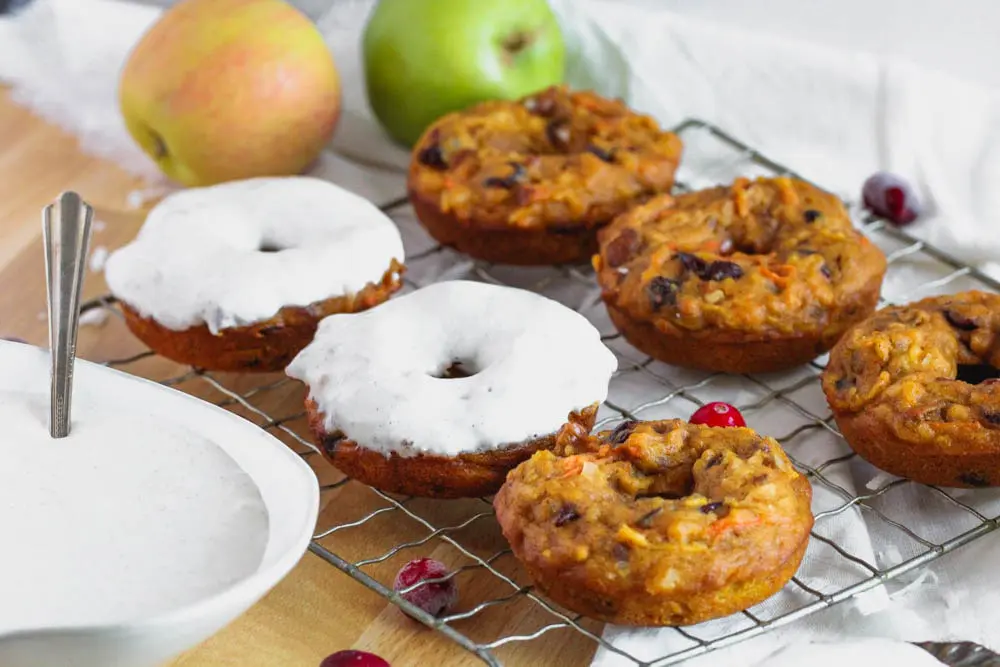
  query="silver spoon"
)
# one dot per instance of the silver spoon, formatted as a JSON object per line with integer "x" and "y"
{"x": 66, "y": 232}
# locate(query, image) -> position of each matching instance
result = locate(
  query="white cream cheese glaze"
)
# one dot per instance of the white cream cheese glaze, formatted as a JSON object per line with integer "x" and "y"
{"x": 375, "y": 376}
{"x": 118, "y": 522}
{"x": 198, "y": 257}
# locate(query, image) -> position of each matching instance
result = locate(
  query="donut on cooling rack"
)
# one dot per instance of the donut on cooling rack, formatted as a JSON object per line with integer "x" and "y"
{"x": 657, "y": 523}
{"x": 439, "y": 393}
{"x": 755, "y": 277}
{"x": 530, "y": 182}
{"x": 897, "y": 386}
{"x": 235, "y": 277}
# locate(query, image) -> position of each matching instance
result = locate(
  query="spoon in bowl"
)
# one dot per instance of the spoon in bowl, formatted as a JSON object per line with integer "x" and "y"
{"x": 66, "y": 233}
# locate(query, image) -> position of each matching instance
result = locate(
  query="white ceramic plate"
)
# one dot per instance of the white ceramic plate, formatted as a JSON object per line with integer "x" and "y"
{"x": 286, "y": 485}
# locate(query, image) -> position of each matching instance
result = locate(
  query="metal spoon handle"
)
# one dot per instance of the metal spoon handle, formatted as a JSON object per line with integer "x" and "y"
{"x": 66, "y": 231}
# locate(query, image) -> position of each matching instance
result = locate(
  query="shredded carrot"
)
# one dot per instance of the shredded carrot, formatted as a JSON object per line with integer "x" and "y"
{"x": 786, "y": 192}
{"x": 572, "y": 466}
{"x": 740, "y": 196}
{"x": 780, "y": 275}
{"x": 723, "y": 525}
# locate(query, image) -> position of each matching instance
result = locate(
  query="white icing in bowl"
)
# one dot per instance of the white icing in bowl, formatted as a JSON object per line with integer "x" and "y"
{"x": 159, "y": 520}
{"x": 120, "y": 520}
{"x": 198, "y": 258}
{"x": 374, "y": 375}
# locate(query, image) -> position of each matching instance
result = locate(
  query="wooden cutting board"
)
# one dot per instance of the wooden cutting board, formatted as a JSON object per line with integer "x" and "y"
{"x": 317, "y": 610}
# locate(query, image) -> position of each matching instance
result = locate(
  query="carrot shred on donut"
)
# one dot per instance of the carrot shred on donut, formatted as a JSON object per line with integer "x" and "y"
{"x": 740, "y": 196}
{"x": 779, "y": 275}
{"x": 572, "y": 466}
{"x": 724, "y": 525}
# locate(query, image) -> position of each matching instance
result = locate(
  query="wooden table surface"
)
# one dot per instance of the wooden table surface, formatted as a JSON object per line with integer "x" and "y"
{"x": 316, "y": 610}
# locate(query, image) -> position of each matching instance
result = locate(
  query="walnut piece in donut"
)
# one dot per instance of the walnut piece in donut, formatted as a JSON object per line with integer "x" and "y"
{"x": 529, "y": 181}
{"x": 896, "y": 386}
{"x": 755, "y": 277}
{"x": 657, "y": 523}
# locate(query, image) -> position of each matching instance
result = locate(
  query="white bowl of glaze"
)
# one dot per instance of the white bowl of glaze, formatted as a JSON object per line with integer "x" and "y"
{"x": 73, "y": 592}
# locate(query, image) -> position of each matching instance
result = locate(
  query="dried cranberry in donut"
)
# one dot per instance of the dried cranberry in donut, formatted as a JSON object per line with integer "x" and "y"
{"x": 433, "y": 157}
{"x": 605, "y": 155}
{"x": 721, "y": 269}
{"x": 622, "y": 431}
{"x": 558, "y": 133}
{"x": 663, "y": 292}
{"x": 517, "y": 175}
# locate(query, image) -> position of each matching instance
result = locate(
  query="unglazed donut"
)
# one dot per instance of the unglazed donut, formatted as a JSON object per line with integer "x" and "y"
{"x": 657, "y": 523}
{"x": 892, "y": 383}
{"x": 531, "y": 181}
{"x": 760, "y": 276}
{"x": 235, "y": 277}
{"x": 440, "y": 392}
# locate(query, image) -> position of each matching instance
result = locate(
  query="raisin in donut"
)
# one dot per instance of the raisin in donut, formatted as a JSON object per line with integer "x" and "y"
{"x": 439, "y": 393}
{"x": 756, "y": 277}
{"x": 235, "y": 277}
{"x": 530, "y": 182}
{"x": 657, "y": 523}
{"x": 897, "y": 386}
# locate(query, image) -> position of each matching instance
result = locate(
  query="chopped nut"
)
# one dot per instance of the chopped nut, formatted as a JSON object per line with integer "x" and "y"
{"x": 715, "y": 296}
{"x": 669, "y": 580}
{"x": 630, "y": 535}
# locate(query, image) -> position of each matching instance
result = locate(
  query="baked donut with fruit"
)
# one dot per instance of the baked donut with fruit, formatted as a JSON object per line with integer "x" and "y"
{"x": 758, "y": 276}
{"x": 914, "y": 389}
{"x": 531, "y": 181}
{"x": 657, "y": 523}
{"x": 236, "y": 277}
{"x": 442, "y": 391}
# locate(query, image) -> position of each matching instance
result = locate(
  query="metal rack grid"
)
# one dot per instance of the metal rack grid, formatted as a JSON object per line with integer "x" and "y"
{"x": 432, "y": 524}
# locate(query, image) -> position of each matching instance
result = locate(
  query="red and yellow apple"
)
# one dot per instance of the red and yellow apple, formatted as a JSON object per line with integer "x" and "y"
{"x": 220, "y": 90}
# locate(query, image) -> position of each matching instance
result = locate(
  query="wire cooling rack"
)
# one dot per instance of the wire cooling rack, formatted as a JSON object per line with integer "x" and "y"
{"x": 500, "y": 615}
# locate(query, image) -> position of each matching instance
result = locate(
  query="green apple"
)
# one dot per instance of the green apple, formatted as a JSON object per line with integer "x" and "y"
{"x": 426, "y": 58}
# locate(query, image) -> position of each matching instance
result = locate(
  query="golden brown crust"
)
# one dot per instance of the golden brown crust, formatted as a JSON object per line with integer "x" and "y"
{"x": 427, "y": 476}
{"x": 657, "y": 523}
{"x": 892, "y": 385}
{"x": 755, "y": 277}
{"x": 511, "y": 245}
{"x": 267, "y": 346}
{"x": 530, "y": 181}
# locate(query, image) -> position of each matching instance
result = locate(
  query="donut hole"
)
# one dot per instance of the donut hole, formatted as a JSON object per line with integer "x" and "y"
{"x": 456, "y": 370}
{"x": 977, "y": 373}
{"x": 269, "y": 246}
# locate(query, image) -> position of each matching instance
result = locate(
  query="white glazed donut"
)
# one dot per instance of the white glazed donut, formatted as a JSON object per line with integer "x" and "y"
{"x": 376, "y": 386}
{"x": 235, "y": 255}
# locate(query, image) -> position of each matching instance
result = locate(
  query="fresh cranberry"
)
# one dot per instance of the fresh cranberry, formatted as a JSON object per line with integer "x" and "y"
{"x": 891, "y": 197}
{"x": 353, "y": 659}
{"x": 434, "y": 598}
{"x": 720, "y": 415}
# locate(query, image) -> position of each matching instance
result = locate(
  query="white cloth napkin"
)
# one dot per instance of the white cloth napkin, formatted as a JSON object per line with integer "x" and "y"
{"x": 833, "y": 115}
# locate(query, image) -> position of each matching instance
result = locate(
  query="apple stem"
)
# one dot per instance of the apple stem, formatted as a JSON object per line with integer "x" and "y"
{"x": 518, "y": 42}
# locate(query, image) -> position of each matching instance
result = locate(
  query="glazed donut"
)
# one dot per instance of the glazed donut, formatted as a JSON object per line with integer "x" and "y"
{"x": 894, "y": 385}
{"x": 439, "y": 393}
{"x": 657, "y": 523}
{"x": 756, "y": 277}
{"x": 235, "y": 277}
{"x": 530, "y": 181}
